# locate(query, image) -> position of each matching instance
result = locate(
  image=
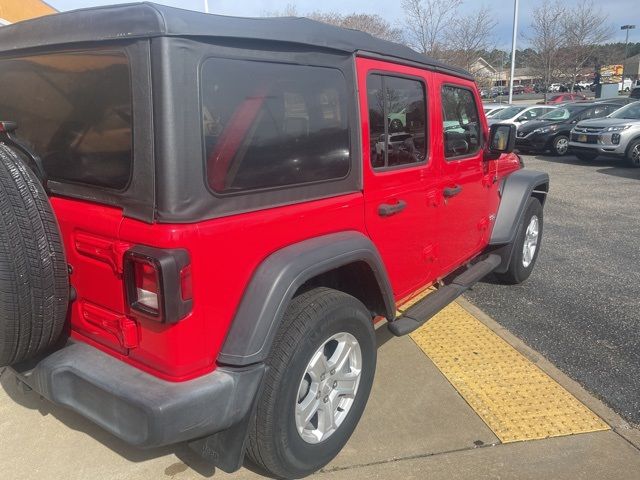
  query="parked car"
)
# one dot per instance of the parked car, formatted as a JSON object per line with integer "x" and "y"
{"x": 635, "y": 93}
{"x": 617, "y": 135}
{"x": 490, "y": 109}
{"x": 519, "y": 114}
{"x": 551, "y": 132}
{"x": 622, "y": 101}
{"x": 563, "y": 98}
{"x": 518, "y": 89}
{"x": 220, "y": 229}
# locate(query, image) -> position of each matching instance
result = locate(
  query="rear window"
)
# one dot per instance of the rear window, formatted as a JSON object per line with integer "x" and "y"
{"x": 74, "y": 110}
{"x": 270, "y": 125}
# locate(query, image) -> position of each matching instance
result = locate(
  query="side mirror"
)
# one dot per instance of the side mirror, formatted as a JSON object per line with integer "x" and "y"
{"x": 502, "y": 139}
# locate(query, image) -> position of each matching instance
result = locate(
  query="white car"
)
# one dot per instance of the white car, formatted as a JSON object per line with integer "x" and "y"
{"x": 519, "y": 114}
{"x": 491, "y": 109}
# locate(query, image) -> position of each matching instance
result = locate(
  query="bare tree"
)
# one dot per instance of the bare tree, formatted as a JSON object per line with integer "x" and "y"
{"x": 426, "y": 22}
{"x": 547, "y": 39}
{"x": 585, "y": 27}
{"x": 469, "y": 36}
{"x": 369, "y": 23}
{"x": 372, "y": 24}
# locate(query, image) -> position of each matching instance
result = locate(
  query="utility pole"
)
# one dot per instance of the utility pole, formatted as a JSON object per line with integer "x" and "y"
{"x": 206, "y": 6}
{"x": 626, "y": 42}
{"x": 513, "y": 48}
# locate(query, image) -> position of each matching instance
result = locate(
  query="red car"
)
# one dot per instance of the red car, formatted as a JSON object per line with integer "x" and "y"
{"x": 203, "y": 217}
{"x": 564, "y": 98}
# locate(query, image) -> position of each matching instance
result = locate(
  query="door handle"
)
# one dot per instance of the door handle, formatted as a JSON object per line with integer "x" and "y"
{"x": 386, "y": 210}
{"x": 452, "y": 191}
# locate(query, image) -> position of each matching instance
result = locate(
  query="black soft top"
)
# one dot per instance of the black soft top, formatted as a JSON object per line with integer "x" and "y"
{"x": 145, "y": 20}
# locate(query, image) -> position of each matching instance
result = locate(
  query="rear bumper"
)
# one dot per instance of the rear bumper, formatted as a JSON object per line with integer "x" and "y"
{"x": 139, "y": 408}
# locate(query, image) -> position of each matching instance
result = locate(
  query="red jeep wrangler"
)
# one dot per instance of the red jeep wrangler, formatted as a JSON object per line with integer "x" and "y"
{"x": 203, "y": 217}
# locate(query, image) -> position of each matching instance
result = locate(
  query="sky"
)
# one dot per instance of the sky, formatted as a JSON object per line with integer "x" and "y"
{"x": 620, "y": 11}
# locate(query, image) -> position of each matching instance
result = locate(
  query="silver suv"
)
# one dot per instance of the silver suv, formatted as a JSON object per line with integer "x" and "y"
{"x": 617, "y": 135}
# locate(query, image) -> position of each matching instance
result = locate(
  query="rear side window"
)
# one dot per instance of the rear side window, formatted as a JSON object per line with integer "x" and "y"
{"x": 74, "y": 110}
{"x": 461, "y": 124}
{"x": 397, "y": 121}
{"x": 271, "y": 125}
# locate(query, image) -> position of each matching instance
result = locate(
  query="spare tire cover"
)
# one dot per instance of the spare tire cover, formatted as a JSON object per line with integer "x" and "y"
{"x": 34, "y": 282}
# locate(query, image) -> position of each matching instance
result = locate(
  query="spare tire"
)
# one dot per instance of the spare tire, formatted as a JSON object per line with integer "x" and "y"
{"x": 34, "y": 281}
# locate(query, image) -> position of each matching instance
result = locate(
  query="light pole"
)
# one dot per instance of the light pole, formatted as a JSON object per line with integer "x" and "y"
{"x": 206, "y": 6}
{"x": 513, "y": 48}
{"x": 626, "y": 42}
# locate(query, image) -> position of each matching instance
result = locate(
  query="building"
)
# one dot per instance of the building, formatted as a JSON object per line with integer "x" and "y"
{"x": 12, "y": 11}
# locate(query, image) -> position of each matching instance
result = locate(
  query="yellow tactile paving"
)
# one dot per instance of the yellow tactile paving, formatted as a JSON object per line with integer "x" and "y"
{"x": 516, "y": 399}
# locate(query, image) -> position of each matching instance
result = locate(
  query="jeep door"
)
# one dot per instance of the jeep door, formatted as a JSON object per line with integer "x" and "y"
{"x": 466, "y": 182}
{"x": 400, "y": 183}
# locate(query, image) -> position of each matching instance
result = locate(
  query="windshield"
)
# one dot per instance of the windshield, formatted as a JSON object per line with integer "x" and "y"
{"x": 631, "y": 111}
{"x": 563, "y": 113}
{"x": 507, "y": 113}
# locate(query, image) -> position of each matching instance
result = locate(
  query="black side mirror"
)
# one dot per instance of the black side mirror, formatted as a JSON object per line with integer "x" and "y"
{"x": 502, "y": 139}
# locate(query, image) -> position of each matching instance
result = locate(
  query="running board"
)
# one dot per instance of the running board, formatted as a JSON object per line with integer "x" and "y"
{"x": 426, "y": 308}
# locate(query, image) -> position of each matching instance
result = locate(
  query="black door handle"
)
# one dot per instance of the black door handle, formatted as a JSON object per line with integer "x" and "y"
{"x": 386, "y": 210}
{"x": 452, "y": 191}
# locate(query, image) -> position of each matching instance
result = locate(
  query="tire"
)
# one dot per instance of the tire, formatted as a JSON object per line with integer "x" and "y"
{"x": 276, "y": 443}
{"x": 519, "y": 269}
{"x": 34, "y": 284}
{"x": 586, "y": 156}
{"x": 560, "y": 145}
{"x": 633, "y": 154}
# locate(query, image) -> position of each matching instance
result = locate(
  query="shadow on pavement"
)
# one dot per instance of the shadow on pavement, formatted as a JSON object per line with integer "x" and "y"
{"x": 72, "y": 420}
{"x": 612, "y": 166}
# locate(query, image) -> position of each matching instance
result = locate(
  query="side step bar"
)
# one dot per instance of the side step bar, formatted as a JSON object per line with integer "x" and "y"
{"x": 425, "y": 309}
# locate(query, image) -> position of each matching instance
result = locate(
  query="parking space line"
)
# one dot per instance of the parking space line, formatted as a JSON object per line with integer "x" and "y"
{"x": 516, "y": 399}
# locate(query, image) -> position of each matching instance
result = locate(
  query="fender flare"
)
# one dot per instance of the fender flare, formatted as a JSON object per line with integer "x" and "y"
{"x": 515, "y": 192}
{"x": 279, "y": 276}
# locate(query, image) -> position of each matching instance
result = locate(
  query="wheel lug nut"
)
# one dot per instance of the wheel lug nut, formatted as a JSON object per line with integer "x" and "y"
{"x": 335, "y": 384}
{"x": 333, "y": 372}
{"x": 322, "y": 376}
{"x": 317, "y": 395}
{"x": 325, "y": 399}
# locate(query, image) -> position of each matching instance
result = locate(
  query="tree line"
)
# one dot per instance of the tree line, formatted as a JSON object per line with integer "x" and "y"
{"x": 561, "y": 42}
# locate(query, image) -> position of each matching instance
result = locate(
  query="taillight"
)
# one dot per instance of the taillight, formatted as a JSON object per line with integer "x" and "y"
{"x": 158, "y": 283}
{"x": 147, "y": 285}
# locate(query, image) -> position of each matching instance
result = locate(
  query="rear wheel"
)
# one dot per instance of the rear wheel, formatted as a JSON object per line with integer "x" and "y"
{"x": 320, "y": 372}
{"x": 526, "y": 245}
{"x": 633, "y": 154}
{"x": 560, "y": 145}
{"x": 586, "y": 156}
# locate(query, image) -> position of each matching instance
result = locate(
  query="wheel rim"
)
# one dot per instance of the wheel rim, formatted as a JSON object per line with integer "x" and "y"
{"x": 530, "y": 241}
{"x": 562, "y": 145}
{"x": 328, "y": 387}
{"x": 635, "y": 154}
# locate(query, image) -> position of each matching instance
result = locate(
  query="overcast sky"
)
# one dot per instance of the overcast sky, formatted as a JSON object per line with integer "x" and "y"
{"x": 620, "y": 11}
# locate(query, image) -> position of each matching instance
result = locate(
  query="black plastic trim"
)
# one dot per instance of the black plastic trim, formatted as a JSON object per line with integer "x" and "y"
{"x": 139, "y": 408}
{"x": 278, "y": 278}
{"x": 516, "y": 190}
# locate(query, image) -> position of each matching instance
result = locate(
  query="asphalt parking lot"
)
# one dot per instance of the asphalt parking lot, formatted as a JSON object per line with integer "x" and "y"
{"x": 581, "y": 306}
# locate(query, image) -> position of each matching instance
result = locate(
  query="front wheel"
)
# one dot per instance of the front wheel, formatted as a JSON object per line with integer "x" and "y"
{"x": 526, "y": 245}
{"x": 560, "y": 145}
{"x": 633, "y": 154}
{"x": 320, "y": 373}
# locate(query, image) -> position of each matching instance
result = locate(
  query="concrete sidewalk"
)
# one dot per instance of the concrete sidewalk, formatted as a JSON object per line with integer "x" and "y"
{"x": 416, "y": 426}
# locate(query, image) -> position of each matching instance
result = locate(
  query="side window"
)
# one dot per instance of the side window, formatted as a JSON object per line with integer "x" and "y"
{"x": 397, "y": 121}
{"x": 272, "y": 125}
{"x": 461, "y": 123}
{"x": 589, "y": 113}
